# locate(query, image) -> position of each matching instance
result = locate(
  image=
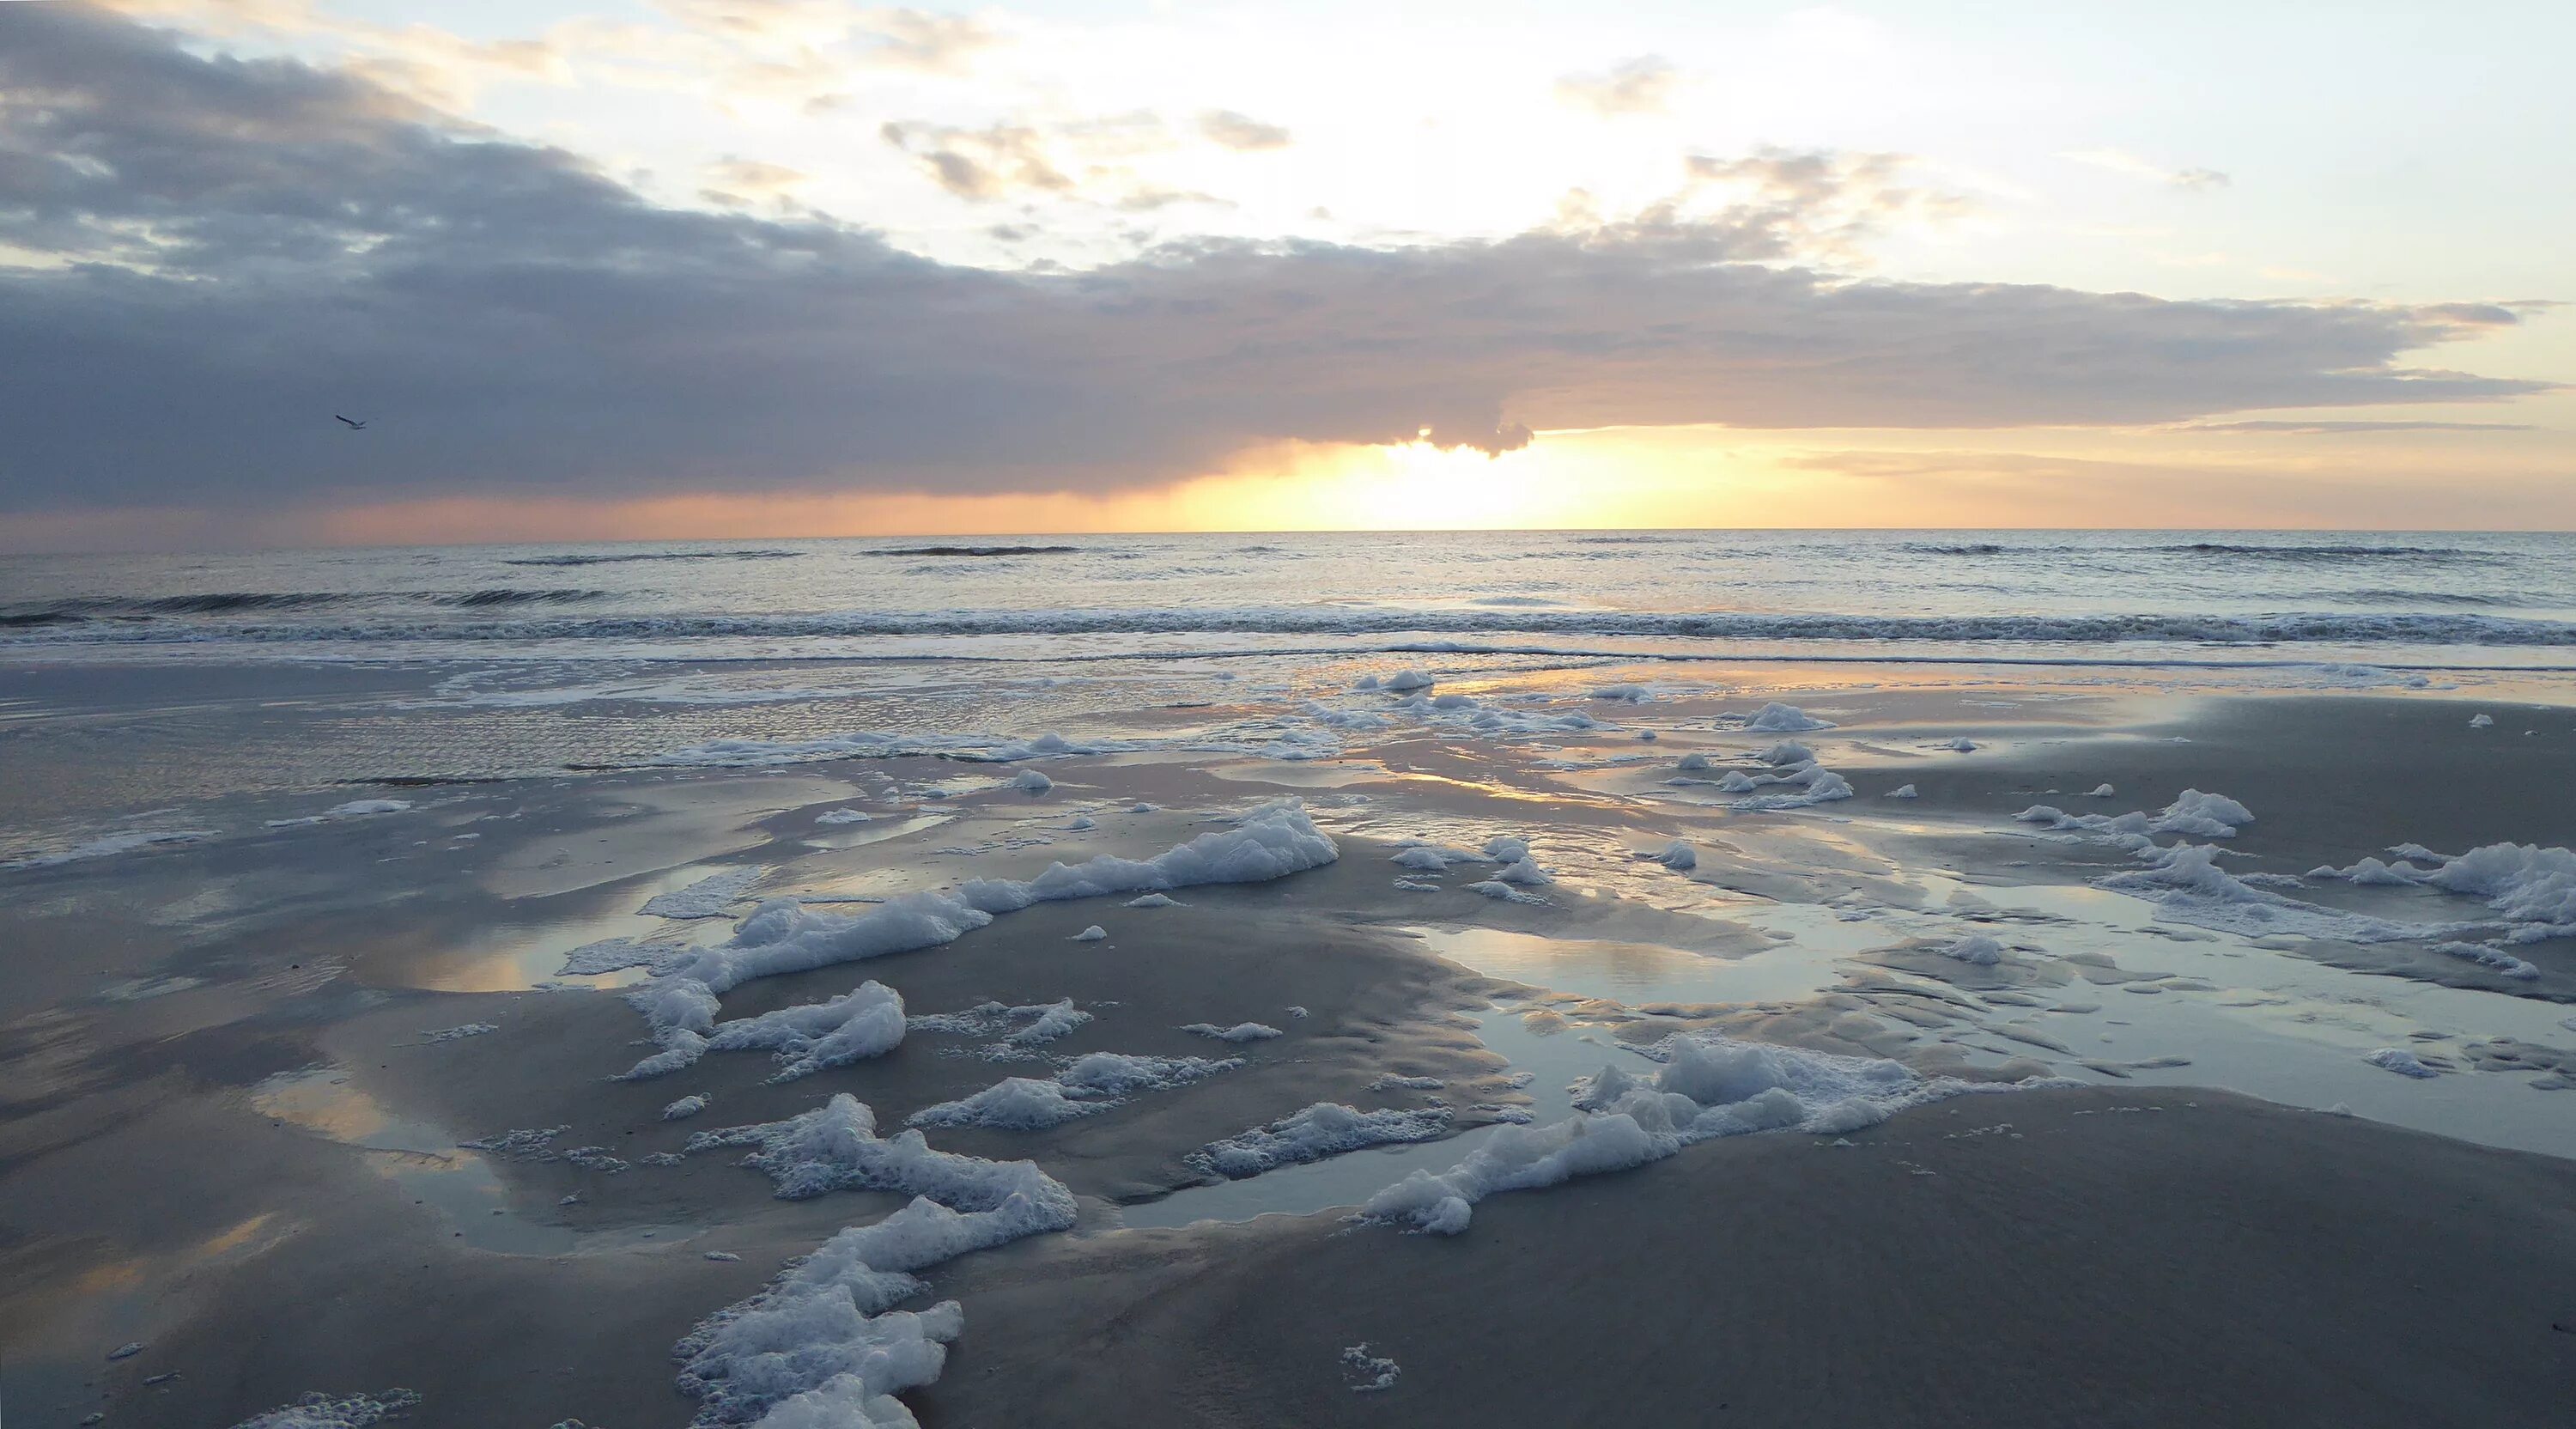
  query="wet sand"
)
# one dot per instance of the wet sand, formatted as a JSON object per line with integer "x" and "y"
{"x": 2232, "y": 1262}
{"x": 2096, "y": 1264}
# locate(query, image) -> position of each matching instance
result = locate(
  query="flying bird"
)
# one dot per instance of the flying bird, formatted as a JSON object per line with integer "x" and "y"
{"x": 353, "y": 426}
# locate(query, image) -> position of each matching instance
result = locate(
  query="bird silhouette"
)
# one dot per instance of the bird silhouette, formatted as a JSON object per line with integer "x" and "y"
{"x": 353, "y": 426}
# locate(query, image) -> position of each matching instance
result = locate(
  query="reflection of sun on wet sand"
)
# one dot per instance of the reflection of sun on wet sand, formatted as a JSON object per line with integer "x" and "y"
{"x": 1901, "y": 1097}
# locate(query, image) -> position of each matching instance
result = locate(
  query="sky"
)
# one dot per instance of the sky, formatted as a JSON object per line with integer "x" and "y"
{"x": 805, "y": 267}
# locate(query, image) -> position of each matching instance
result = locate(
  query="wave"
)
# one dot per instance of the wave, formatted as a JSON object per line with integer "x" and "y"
{"x": 621, "y": 557}
{"x": 80, "y": 609}
{"x": 2352, "y": 628}
{"x": 2258, "y": 551}
{"x": 506, "y": 595}
{"x": 2413, "y": 597}
{"x": 971, "y": 550}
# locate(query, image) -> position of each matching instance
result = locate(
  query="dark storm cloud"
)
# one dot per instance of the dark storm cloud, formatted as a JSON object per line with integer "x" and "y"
{"x": 241, "y": 249}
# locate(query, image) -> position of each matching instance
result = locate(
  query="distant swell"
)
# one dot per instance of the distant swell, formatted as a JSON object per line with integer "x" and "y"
{"x": 971, "y": 550}
{"x": 483, "y": 599}
{"x": 81, "y": 609}
{"x": 2252, "y": 551}
{"x": 2351, "y": 628}
{"x": 621, "y": 557}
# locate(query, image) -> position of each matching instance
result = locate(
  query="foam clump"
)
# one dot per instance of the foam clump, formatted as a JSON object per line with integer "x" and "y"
{"x": 454, "y": 1034}
{"x": 1031, "y": 781}
{"x": 1154, "y": 900}
{"x": 2099, "y": 791}
{"x": 685, "y": 1107}
{"x": 1708, "y": 1086}
{"x": 835, "y": 1148}
{"x": 1406, "y": 679}
{"x": 1693, "y": 762}
{"x": 1975, "y": 948}
{"x": 1787, "y": 751}
{"x": 1324, "y": 1129}
{"x": 2524, "y": 882}
{"x": 2493, "y": 957}
{"x": 709, "y": 897}
{"x": 1624, "y": 694}
{"x": 1089, "y": 1084}
{"x": 323, "y": 1411}
{"x": 865, "y": 1022}
{"x": 1777, "y": 718}
{"x": 842, "y": 816}
{"x": 1012, "y": 1104}
{"x": 1366, "y": 1373}
{"x": 2188, "y": 886}
{"x": 2402, "y": 1062}
{"x": 2369, "y": 872}
{"x": 821, "y": 1346}
{"x": 1092, "y": 934}
{"x": 1272, "y": 841}
{"x": 1678, "y": 856}
{"x": 2482, "y": 722}
{"x": 109, "y": 846}
{"x": 1901, "y": 791}
{"x": 2193, "y": 813}
{"x": 1239, "y": 1032}
{"x": 1031, "y": 1024}
{"x": 354, "y": 809}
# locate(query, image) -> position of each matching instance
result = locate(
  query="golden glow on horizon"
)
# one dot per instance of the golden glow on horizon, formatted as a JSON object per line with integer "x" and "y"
{"x": 1621, "y": 478}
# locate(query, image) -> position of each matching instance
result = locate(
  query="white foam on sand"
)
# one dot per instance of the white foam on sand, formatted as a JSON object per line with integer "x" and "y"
{"x": 1324, "y": 1129}
{"x": 1901, "y": 791}
{"x": 842, "y": 816}
{"x": 1975, "y": 948}
{"x": 110, "y": 846}
{"x": 609, "y": 955}
{"x": 1021, "y": 1028}
{"x": 1709, "y": 1086}
{"x": 2209, "y": 816}
{"x": 354, "y": 809}
{"x": 323, "y": 1411}
{"x": 2532, "y": 889}
{"x": 685, "y": 1107}
{"x": 1776, "y": 718}
{"x": 2489, "y": 956}
{"x": 2403, "y": 1063}
{"x": 452, "y": 1034}
{"x": 709, "y": 897}
{"x": 1271, "y": 841}
{"x": 835, "y": 1147}
{"x": 1092, "y": 1083}
{"x": 2187, "y": 886}
{"x": 1031, "y": 781}
{"x": 1092, "y": 934}
{"x": 870, "y": 744}
{"x": 783, "y": 936}
{"x": 1239, "y": 1032}
{"x": 1678, "y": 856}
{"x": 865, "y": 1022}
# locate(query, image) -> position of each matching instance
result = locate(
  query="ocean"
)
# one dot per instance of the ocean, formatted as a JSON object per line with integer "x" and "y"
{"x": 130, "y": 683}
{"x": 613, "y": 941}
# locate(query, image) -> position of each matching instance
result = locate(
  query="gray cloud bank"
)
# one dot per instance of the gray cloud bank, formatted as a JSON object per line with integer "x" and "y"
{"x": 217, "y": 254}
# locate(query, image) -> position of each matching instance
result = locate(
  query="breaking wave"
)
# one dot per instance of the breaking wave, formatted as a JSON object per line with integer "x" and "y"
{"x": 2342, "y": 628}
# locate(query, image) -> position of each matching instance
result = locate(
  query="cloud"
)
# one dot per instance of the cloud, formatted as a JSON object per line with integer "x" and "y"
{"x": 1817, "y": 203}
{"x": 927, "y": 43}
{"x": 2340, "y": 428}
{"x": 1643, "y": 85}
{"x": 1240, "y": 132}
{"x": 233, "y": 250}
{"x": 2120, "y": 162}
{"x": 980, "y": 164}
{"x": 738, "y": 182}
